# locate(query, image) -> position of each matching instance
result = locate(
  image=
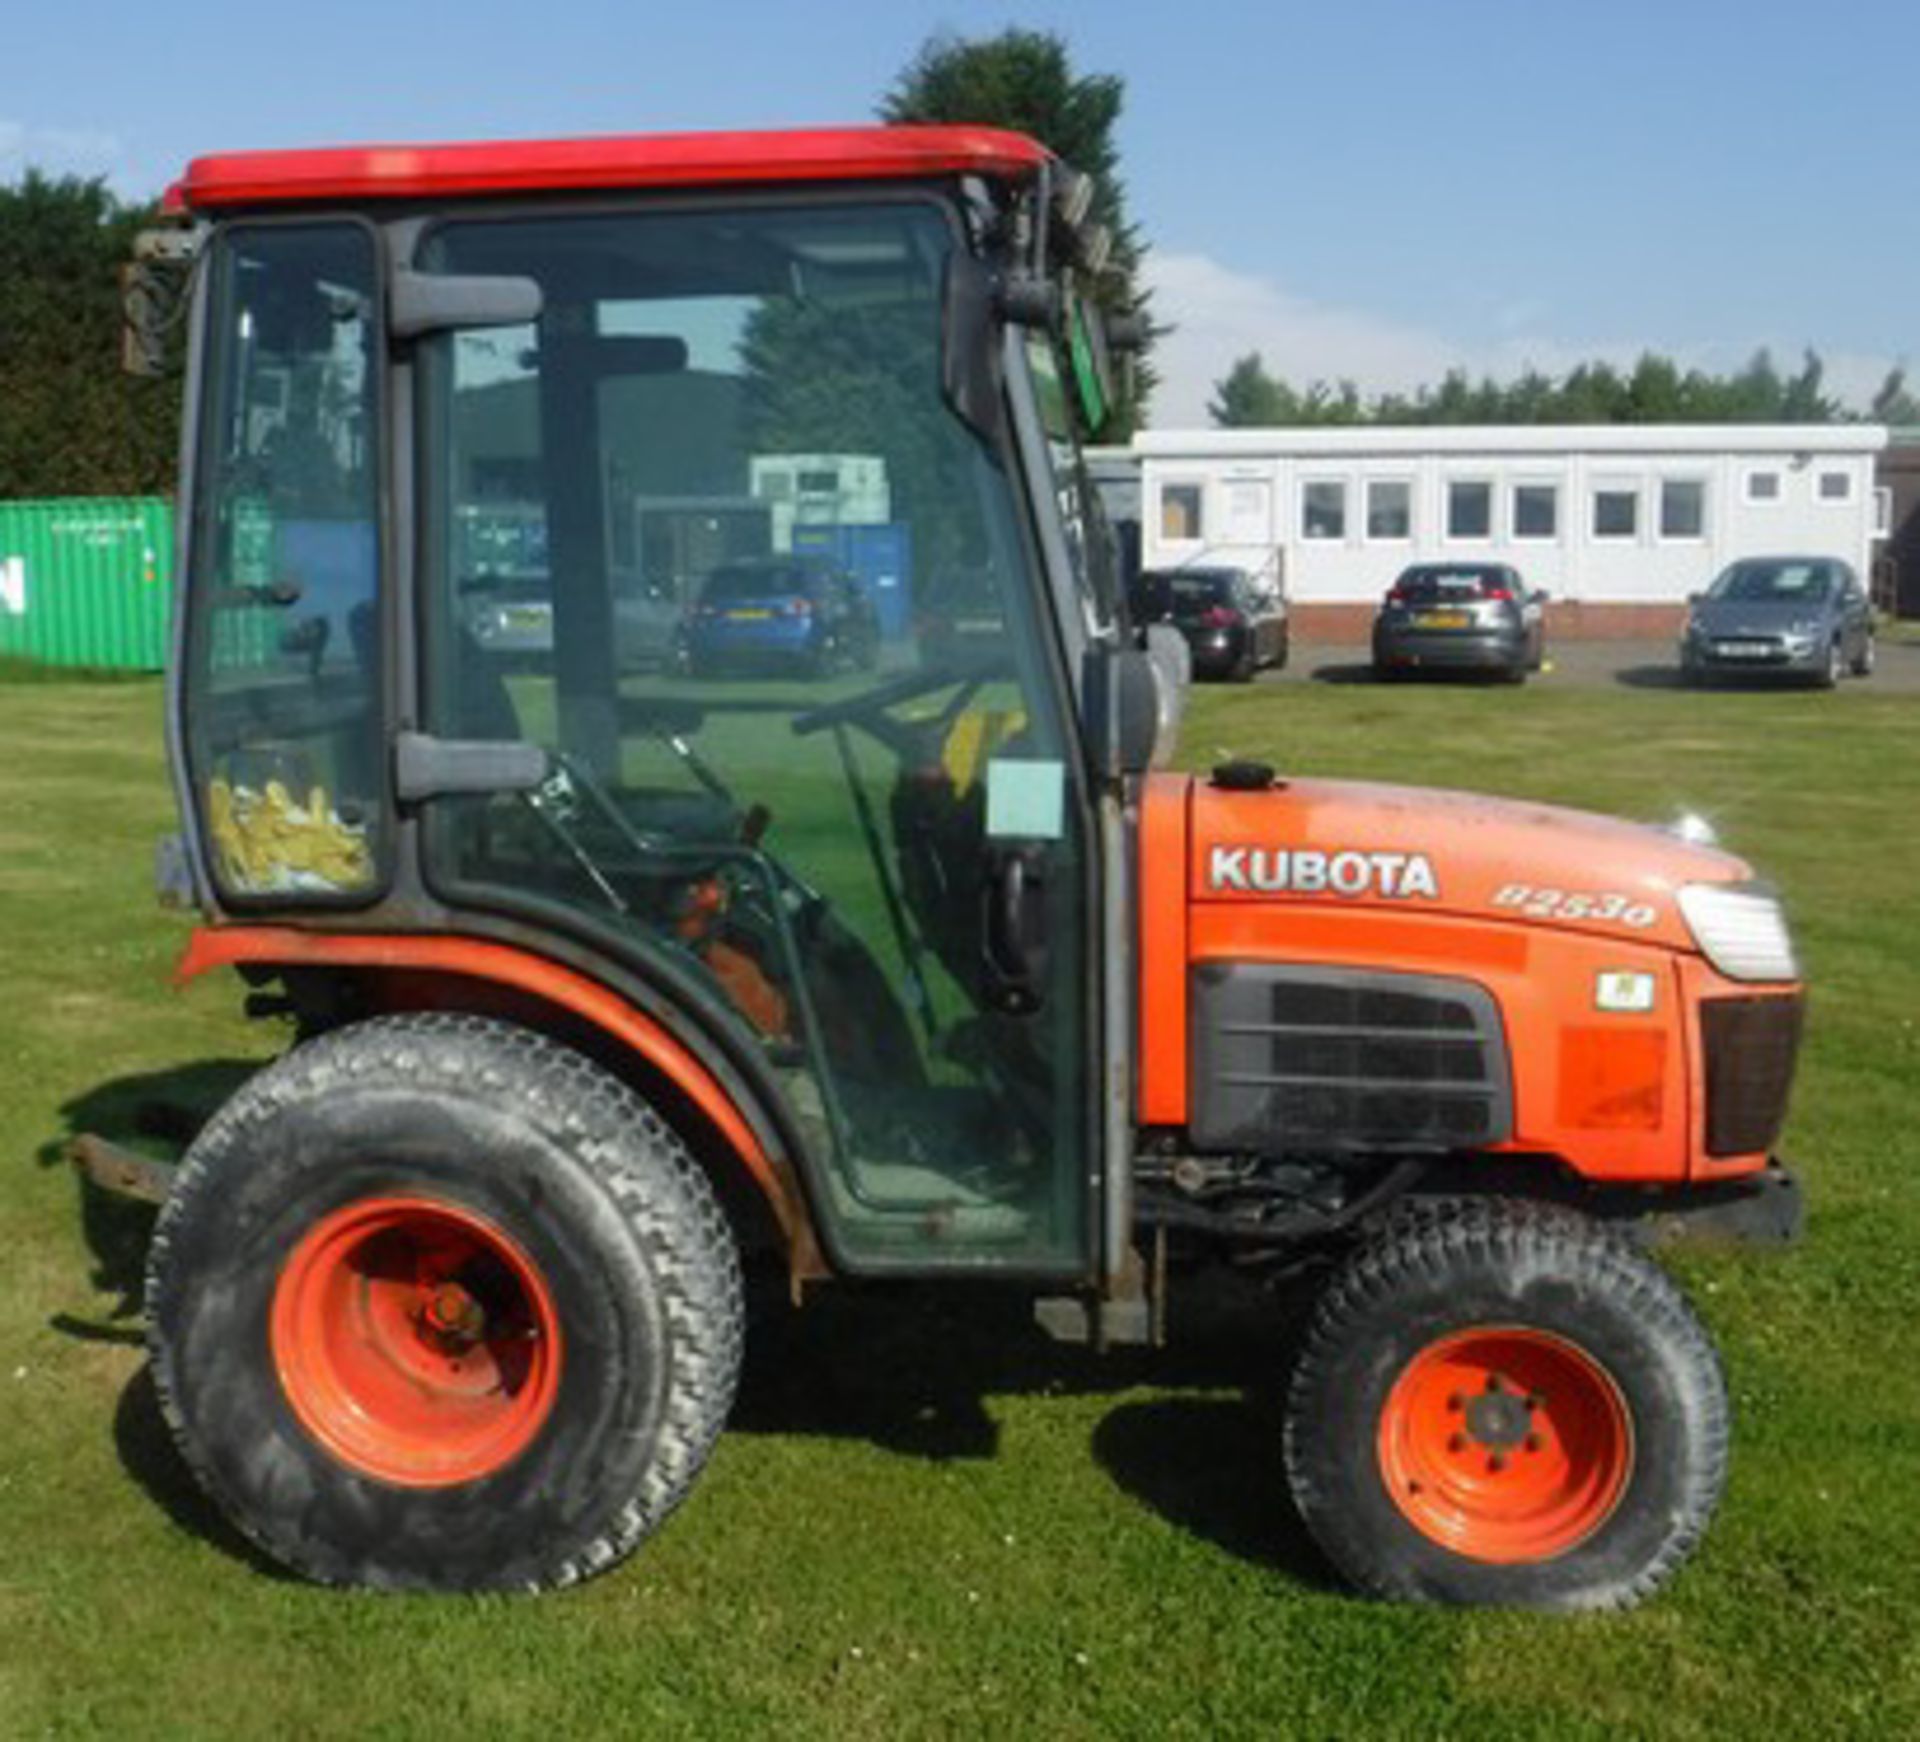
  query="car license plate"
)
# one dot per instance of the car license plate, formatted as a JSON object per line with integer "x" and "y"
{"x": 1441, "y": 620}
{"x": 1743, "y": 649}
{"x": 752, "y": 615}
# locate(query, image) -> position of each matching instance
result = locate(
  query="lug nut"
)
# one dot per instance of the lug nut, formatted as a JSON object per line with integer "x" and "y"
{"x": 1533, "y": 1442}
{"x": 1497, "y": 1462}
{"x": 1455, "y": 1403}
{"x": 1456, "y": 1442}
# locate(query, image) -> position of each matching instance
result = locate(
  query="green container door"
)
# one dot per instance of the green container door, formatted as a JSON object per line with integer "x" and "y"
{"x": 87, "y": 581}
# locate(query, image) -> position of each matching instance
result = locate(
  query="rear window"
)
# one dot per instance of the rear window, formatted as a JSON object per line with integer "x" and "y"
{"x": 760, "y": 583}
{"x": 1190, "y": 592}
{"x": 1462, "y": 581}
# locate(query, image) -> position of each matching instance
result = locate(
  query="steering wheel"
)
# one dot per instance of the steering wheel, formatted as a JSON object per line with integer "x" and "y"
{"x": 868, "y": 710}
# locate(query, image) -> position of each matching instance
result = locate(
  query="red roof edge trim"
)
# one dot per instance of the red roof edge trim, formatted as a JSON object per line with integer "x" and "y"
{"x": 377, "y": 172}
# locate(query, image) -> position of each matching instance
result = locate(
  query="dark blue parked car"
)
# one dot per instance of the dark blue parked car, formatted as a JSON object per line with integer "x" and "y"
{"x": 781, "y": 613}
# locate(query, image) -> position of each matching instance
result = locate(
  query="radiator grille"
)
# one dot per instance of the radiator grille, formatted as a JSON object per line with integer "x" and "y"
{"x": 1751, "y": 1045}
{"x": 1288, "y": 1058}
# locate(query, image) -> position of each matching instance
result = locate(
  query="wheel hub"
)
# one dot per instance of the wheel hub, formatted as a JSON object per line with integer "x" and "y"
{"x": 1506, "y": 1444}
{"x": 416, "y": 1341}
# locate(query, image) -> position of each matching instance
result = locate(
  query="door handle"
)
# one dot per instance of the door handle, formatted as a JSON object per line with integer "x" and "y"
{"x": 1014, "y": 949}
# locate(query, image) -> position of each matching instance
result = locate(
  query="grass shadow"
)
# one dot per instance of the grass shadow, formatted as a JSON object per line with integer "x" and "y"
{"x": 910, "y": 1368}
{"x": 157, "y": 1113}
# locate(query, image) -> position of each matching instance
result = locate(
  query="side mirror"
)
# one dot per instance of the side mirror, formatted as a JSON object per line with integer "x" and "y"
{"x": 1541, "y": 596}
{"x": 1695, "y": 598}
{"x": 1132, "y": 704}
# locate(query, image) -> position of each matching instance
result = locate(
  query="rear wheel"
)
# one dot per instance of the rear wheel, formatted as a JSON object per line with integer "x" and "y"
{"x": 1501, "y": 1403}
{"x": 1863, "y": 661}
{"x": 437, "y": 1303}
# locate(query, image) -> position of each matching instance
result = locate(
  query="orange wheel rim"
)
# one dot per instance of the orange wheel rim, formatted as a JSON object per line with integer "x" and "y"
{"x": 416, "y": 1341}
{"x": 1506, "y": 1445}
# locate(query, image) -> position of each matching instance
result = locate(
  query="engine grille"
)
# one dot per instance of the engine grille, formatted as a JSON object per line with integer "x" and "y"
{"x": 1290, "y": 1059}
{"x": 1751, "y": 1045}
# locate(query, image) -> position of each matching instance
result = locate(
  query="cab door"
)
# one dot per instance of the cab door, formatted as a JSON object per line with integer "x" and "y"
{"x": 866, "y": 875}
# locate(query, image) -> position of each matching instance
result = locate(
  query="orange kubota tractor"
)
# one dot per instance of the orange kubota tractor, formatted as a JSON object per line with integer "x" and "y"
{"x": 896, "y": 957}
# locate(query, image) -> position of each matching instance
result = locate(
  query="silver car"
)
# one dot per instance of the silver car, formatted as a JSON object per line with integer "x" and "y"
{"x": 1804, "y": 617}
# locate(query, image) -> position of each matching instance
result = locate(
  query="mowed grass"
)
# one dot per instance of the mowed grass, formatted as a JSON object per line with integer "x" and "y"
{"x": 927, "y": 1521}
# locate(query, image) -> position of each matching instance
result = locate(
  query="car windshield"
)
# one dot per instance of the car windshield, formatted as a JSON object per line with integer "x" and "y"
{"x": 1466, "y": 581}
{"x": 1786, "y": 583}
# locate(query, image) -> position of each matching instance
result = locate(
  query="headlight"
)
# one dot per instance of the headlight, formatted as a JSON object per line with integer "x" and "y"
{"x": 1740, "y": 931}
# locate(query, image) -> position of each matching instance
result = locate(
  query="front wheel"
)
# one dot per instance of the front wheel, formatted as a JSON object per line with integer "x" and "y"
{"x": 436, "y": 1303}
{"x": 1500, "y": 1403}
{"x": 1863, "y": 661}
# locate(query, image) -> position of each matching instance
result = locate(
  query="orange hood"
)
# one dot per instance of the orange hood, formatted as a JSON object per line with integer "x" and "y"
{"x": 1417, "y": 849}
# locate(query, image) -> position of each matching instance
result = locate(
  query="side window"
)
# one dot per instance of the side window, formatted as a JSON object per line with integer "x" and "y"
{"x": 284, "y": 656}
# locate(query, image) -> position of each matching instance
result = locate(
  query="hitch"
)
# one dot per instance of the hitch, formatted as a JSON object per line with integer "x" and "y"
{"x": 124, "y": 1172}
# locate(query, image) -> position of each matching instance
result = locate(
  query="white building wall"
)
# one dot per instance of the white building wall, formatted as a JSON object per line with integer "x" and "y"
{"x": 1764, "y": 490}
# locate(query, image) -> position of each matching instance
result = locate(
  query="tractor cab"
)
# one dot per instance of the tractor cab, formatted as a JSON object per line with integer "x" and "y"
{"x": 677, "y": 553}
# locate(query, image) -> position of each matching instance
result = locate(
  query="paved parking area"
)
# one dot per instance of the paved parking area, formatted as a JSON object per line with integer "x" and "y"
{"x": 1584, "y": 664}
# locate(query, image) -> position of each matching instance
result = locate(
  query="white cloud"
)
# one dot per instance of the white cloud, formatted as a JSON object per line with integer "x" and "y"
{"x": 1219, "y": 314}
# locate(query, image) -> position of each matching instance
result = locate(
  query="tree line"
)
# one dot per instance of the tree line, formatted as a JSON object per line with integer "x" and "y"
{"x": 1655, "y": 390}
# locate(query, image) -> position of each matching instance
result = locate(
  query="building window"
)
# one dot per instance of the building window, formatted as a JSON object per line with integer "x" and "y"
{"x": 1835, "y": 487}
{"x": 1683, "y": 508}
{"x": 1323, "y": 510}
{"x": 1763, "y": 486}
{"x": 1469, "y": 509}
{"x": 1536, "y": 511}
{"x": 1389, "y": 508}
{"x": 1616, "y": 512}
{"x": 1180, "y": 512}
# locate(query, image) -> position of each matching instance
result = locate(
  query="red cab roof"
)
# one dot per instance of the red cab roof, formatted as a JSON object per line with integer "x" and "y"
{"x": 377, "y": 172}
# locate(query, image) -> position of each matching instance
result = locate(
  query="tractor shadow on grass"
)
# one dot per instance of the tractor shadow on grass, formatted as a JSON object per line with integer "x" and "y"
{"x": 912, "y": 1367}
{"x": 157, "y": 1113}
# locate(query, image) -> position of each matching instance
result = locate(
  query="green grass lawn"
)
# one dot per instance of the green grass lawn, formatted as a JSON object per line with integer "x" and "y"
{"x": 926, "y": 1520}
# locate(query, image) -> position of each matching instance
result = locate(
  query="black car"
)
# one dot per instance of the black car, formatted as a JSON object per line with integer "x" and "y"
{"x": 1233, "y": 626}
{"x": 1785, "y": 616}
{"x": 1475, "y": 616}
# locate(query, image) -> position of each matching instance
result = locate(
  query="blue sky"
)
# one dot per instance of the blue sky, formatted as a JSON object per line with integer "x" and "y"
{"x": 1354, "y": 187}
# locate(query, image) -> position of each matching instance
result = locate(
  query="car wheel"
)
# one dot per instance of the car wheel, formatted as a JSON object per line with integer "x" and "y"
{"x": 1835, "y": 668}
{"x": 1502, "y": 1402}
{"x": 437, "y": 1303}
{"x": 1245, "y": 666}
{"x": 1864, "y": 660}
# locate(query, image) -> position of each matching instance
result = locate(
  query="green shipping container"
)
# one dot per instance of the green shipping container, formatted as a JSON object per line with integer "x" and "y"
{"x": 87, "y": 581}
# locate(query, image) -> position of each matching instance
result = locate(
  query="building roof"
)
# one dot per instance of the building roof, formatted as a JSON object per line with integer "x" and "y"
{"x": 1355, "y": 440}
{"x": 646, "y": 160}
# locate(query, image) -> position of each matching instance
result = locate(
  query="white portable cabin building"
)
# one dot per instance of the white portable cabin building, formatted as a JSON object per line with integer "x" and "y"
{"x": 1620, "y": 522}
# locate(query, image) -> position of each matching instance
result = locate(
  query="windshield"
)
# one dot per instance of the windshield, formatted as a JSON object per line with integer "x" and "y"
{"x": 1775, "y": 583}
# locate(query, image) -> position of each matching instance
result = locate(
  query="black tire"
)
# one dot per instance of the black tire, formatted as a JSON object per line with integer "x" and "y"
{"x": 501, "y": 1123}
{"x": 1245, "y": 667}
{"x": 1435, "y": 1271}
{"x": 1835, "y": 668}
{"x": 1864, "y": 660}
{"x": 1286, "y": 649}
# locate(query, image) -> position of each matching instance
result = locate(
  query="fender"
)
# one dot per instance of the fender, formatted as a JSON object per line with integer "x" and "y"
{"x": 526, "y": 972}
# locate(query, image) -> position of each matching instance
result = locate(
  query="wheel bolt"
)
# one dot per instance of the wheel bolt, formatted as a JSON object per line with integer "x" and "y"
{"x": 1494, "y": 1387}
{"x": 1533, "y": 1442}
{"x": 1497, "y": 1462}
{"x": 1457, "y": 1442}
{"x": 1455, "y": 1403}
